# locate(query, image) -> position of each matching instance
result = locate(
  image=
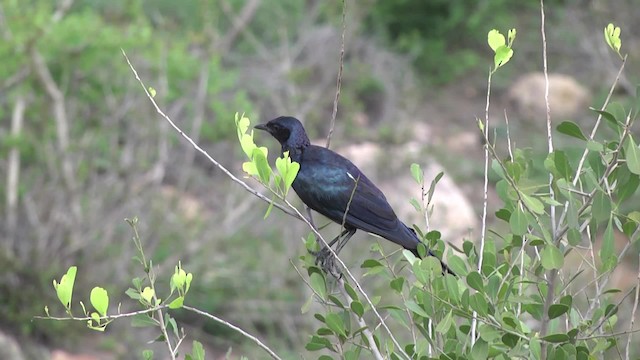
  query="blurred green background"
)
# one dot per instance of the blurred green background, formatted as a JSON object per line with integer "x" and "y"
{"x": 81, "y": 147}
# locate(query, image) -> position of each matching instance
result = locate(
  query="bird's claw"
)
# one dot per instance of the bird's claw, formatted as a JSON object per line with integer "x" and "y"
{"x": 326, "y": 260}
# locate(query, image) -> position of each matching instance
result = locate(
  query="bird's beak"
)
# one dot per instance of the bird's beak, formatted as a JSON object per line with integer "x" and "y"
{"x": 261, "y": 127}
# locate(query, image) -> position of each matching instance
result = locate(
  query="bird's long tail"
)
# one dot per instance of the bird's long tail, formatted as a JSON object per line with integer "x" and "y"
{"x": 445, "y": 267}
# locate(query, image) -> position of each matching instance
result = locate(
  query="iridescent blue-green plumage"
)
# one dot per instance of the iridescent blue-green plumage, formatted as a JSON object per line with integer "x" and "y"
{"x": 326, "y": 183}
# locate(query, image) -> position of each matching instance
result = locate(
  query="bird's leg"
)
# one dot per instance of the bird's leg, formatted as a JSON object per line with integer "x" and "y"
{"x": 345, "y": 239}
{"x": 324, "y": 249}
{"x": 326, "y": 260}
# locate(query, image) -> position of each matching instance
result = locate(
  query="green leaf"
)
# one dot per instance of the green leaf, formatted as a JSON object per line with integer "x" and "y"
{"x": 357, "y": 308}
{"x": 371, "y": 263}
{"x": 335, "y": 323}
{"x": 417, "y": 173}
{"x": 475, "y": 281}
{"x": 627, "y": 189}
{"x": 317, "y": 282}
{"x": 100, "y": 300}
{"x": 432, "y": 186}
{"x": 601, "y": 206}
{"x": 613, "y": 123}
{"x": 177, "y": 303}
{"x": 571, "y": 129}
{"x": 411, "y": 305}
{"x": 479, "y": 304}
{"x": 533, "y": 204}
{"x": 445, "y": 324}
{"x": 556, "y": 338}
{"x": 396, "y": 284}
{"x": 197, "y": 351}
{"x": 495, "y": 40}
{"x": 64, "y": 289}
{"x": 318, "y": 343}
{"x": 264, "y": 170}
{"x": 133, "y": 294}
{"x": 503, "y": 55}
{"x": 574, "y": 236}
{"x": 556, "y": 310}
{"x": 632, "y": 155}
{"x": 612, "y": 37}
{"x": 147, "y": 354}
{"x": 269, "y": 208}
{"x": 551, "y": 257}
{"x": 147, "y": 294}
{"x": 511, "y": 36}
{"x": 503, "y": 214}
{"x": 518, "y": 222}
{"x": 480, "y": 350}
{"x": 608, "y": 247}
{"x": 152, "y": 92}
{"x": 535, "y": 348}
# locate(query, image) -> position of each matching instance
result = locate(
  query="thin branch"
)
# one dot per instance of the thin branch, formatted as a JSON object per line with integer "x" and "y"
{"x": 485, "y": 200}
{"x": 203, "y": 152}
{"x": 13, "y": 173}
{"x": 551, "y": 281}
{"x": 339, "y": 80}
{"x": 105, "y": 318}
{"x": 62, "y": 124}
{"x": 236, "y": 328}
{"x": 598, "y": 120}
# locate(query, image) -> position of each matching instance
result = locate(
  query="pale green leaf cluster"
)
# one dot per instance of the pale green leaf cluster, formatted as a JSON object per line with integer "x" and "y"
{"x": 180, "y": 282}
{"x": 502, "y": 48}
{"x": 612, "y": 37}
{"x": 64, "y": 289}
{"x": 258, "y": 166}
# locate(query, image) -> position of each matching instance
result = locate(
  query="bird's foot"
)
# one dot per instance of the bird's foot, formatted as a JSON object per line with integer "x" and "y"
{"x": 326, "y": 260}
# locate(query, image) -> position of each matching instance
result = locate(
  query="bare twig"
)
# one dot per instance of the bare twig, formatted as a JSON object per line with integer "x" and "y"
{"x": 485, "y": 199}
{"x": 62, "y": 122}
{"x": 236, "y": 328}
{"x": 104, "y": 318}
{"x": 339, "y": 80}
{"x": 551, "y": 280}
{"x": 13, "y": 173}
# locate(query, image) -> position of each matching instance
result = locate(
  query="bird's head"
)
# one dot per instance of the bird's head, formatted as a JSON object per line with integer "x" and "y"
{"x": 287, "y": 130}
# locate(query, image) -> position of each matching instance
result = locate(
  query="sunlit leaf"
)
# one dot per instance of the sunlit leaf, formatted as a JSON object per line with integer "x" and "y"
{"x": 64, "y": 289}
{"x": 612, "y": 37}
{"x": 100, "y": 300}
{"x": 502, "y": 56}
{"x": 495, "y": 39}
{"x": 551, "y": 257}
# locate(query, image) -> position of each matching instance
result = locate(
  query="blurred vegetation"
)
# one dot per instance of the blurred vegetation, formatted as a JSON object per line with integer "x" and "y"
{"x": 91, "y": 151}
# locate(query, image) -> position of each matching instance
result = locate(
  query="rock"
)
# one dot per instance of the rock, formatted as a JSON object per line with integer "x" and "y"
{"x": 9, "y": 348}
{"x": 63, "y": 355}
{"x": 567, "y": 98}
